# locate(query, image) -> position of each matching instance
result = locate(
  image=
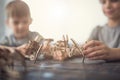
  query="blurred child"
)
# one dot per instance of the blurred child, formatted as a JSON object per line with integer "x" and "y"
{"x": 105, "y": 41}
{"x": 19, "y": 20}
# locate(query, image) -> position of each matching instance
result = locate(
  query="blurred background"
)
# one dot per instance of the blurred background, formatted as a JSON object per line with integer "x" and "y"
{"x": 53, "y": 18}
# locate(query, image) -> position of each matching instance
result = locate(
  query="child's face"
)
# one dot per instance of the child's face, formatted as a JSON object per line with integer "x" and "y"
{"x": 111, "y": 8}
{"x": 20, "y": 26}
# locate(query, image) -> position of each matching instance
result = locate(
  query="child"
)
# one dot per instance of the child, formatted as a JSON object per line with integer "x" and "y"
{"x": 19, "y": 20}
{"x": 105, "y": 41}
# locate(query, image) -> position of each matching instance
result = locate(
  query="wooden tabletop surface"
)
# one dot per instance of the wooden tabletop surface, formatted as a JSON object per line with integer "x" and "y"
{"x": 70, "y": 70}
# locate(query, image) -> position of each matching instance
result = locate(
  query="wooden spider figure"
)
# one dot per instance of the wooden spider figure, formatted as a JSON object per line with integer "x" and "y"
{"x": 44, "y": 49}
{"x": 61, "y": 49}
{"x": 32, "y": 49}
{"x": 47, "y": 46}
{"x": 79, "y": 49}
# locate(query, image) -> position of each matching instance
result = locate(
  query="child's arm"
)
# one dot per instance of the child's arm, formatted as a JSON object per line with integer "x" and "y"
{"x": 116, "y": 53}
{"x": 99, "y": 51}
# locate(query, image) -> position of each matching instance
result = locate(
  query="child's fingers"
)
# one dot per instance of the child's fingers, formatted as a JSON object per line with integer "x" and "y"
{"x": 96, "y": 53}
{"x": 90, "y": 50}
{"x": 102, "y": 57}
{"x": 91, "y": 43}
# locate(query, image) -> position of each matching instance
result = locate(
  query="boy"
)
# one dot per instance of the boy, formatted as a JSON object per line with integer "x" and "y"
{"x": 19, "y": 19}
{"x": 105, "y": 41}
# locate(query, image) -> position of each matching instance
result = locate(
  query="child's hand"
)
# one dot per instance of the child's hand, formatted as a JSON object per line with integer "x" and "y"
{"x": 9, "y": 49}
{"x": 22, "y": 48}
{"x": 97, "y": 50}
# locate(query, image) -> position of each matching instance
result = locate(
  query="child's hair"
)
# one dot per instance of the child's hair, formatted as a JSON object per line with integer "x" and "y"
{"x": 17, "y": 8}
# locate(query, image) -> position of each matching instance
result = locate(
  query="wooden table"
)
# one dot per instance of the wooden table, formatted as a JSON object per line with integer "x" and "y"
{"x": 71, "y": 70}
